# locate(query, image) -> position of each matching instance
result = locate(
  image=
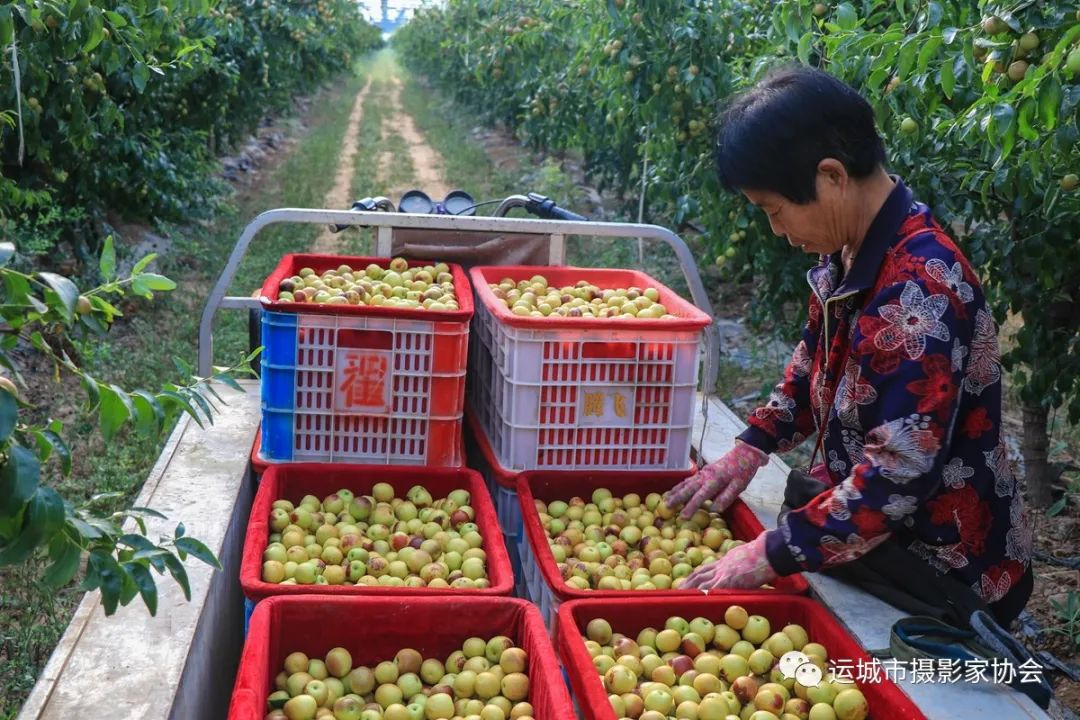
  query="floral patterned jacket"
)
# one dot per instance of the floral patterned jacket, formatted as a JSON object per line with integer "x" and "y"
{"x": 902, "y": 355}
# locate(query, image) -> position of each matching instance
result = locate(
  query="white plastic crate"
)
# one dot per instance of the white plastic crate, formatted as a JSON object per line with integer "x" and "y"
{"x": 499, "y": 482}
{"x": 575, "y": 394}
{"x": 540, "y": 595}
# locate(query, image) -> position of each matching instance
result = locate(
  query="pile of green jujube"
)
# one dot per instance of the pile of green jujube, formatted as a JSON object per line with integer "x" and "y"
{"x": 730, "y": 670}
{"x": 429, "y": 287}
{"x": 377, "y": 539}
{"x": 484, "y": 680}
{"x": 536, "y": 298}
{"x": 630, "y": 543}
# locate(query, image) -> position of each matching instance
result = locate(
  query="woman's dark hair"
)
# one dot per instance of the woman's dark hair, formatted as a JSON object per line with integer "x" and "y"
{"x": 772, "y": 136}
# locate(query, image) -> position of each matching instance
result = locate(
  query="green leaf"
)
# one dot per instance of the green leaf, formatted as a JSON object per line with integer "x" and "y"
{"x": 7, "y": 251}
{"x": 156, "y": 282}
{"x": 49, "y": 442}
{"x": 18, "y": 289}
{"x": 86, "y": 530}
{"x": 907, "y": 58}
{"x": 227, "y": 380}
{"x": 142, "y": 264}
{"x": 805, "y": 44}
{"x": 110, "y": 576}
{"x": 1024, "y": 118}
{"x": 149, "y": 415}
{"x": 107, "y": 263}
{"x": 927, "y": 53}
{"x": 198, "y": 550}
{"x": 1057, "y": 507}
{"x": 44, "y": 516}
{"x": 175, "y": 398}
{"x": 112, "y": 411}
{"x": 9, "y": 414}
{"x": 180, "y": 530}
{"x": 150, "y": 555}
{"x": 7, "y": 26}
{"x": 92, "y": 579}
{"x": 65, "y": 555}
{"x": 145, "y": 582}
{"x": 116, "y": 19}
{"x": 139, "y": 288}
{"x": 18, "y": 479}
{"x": 846, "y": 17}
{"x": 204, "y": 404}
{"x": 64, "y": 289}
{"x": 90, "y": 386}
{"x": 137, "y": 542}
{"x": 179, "y": 574}
{"x": 139, "y": 76}
{"x": 1050, "y": 101}
{"x": 95, "y": 30}
{"x": 148, "y": 511}
{"x": 948, "y": 78}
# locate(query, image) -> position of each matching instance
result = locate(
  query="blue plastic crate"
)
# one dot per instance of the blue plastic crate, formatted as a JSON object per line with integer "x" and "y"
{"x": 509, "y": 512}
{"x": 249, "y": 607}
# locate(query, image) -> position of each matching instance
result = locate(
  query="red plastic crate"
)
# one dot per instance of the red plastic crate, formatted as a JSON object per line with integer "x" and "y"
{"x": 360, "y": 383}
{"x": 630, "y": 616}
{"x": 548, "y": 486}
{"x": 578, "y": 394}
{"x": 295, "y": 480}
{"x": 374, "y": 629}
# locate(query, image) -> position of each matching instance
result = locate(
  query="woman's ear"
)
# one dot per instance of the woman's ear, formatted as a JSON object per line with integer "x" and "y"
{"x": 833, "y": 173}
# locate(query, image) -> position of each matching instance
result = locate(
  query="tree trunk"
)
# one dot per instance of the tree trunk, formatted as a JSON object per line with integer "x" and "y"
{"x": 1035, "y": 447}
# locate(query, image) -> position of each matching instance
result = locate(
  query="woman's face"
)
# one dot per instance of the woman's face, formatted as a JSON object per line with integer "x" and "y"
{"x": 816, "y": 227}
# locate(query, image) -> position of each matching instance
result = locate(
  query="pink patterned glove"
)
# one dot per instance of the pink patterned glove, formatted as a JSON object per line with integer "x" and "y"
{"x": 741, "y": 568}
{"x": 722, "y": 480}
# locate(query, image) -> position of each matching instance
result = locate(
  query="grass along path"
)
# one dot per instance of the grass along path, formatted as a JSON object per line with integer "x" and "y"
{"x": 138, "y": 352}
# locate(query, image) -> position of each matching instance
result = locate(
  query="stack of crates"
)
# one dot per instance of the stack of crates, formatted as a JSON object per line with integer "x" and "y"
{"x": 354, "y": 395}
{"x": 576, "y": 394}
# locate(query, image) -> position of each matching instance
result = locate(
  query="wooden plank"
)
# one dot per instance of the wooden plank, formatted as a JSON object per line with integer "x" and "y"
{"x": 134, "y": 666}
{"x": 865, "y": 616}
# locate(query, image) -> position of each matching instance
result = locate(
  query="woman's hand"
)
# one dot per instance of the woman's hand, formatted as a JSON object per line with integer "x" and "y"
{"x": 721, "y": 481}
{"x": 743, "y": 567}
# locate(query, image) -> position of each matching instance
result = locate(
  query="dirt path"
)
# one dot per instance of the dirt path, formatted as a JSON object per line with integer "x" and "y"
{"x": 426, "y": 162}
{"x": 398, "y": 135}
{"x": 338, "y": 197}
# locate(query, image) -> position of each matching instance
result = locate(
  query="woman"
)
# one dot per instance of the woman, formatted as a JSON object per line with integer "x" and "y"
{"x": 898, "y": 361}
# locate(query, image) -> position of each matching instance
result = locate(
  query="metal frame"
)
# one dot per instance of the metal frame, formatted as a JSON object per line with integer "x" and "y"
{"x": 386, "y": 223}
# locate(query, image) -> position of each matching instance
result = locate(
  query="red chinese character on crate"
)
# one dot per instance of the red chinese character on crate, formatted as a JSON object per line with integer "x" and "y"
{"x": 364, "y": 381}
